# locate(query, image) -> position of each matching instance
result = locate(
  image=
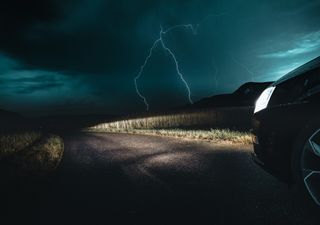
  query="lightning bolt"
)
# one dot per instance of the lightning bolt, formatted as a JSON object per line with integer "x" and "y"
{"x": 160, "y": 41}
{"x": 188, "y": 26}
{"x": 141, "y": 71}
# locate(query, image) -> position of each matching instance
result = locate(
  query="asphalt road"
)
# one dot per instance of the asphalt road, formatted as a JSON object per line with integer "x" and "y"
{"x": 135, "y": 179}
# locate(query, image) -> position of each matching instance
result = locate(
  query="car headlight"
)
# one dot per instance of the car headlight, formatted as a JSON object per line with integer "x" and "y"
{"x": 264, "y": 98}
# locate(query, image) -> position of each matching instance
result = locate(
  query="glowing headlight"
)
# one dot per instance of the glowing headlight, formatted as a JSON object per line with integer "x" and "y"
{"x": 264, "y": 98}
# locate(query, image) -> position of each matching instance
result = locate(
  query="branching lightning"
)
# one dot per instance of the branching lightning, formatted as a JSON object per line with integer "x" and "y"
{"x": 141, "y": 71}
{"x": 175, "y": 59}
{"x": 160, "y": 41}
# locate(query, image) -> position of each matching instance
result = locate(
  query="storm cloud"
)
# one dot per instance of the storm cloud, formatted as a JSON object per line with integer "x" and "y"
{"x": 85, "y": 54}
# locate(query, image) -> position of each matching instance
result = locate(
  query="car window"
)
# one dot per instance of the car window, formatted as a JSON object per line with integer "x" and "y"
{"x": 311, "y": 85}
{"x": 297, "y": 89}
{"x": 313, "y": 64}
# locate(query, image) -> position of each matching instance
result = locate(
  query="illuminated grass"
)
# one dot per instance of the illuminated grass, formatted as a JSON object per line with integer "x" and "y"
{"x": 31, "y": 152}
{"x": 200, "y": 125}
{"x": 208, "y": 118}
{"x": 214, "y": 135}
{"x": 42, "y": 157}
{"x": 13, "y": 143}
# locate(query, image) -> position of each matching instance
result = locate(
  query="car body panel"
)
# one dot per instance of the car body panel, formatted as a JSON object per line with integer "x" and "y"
{"x": 294, "y": 103}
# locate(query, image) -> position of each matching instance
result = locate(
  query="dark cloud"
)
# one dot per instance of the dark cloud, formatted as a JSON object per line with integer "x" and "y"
{"x": 88, "y": 36}
{"x": 30, "y": 82}
{"x": 98, "y": 46}
{"x": 30, "y": 89}
{"x": 17, "y": 16}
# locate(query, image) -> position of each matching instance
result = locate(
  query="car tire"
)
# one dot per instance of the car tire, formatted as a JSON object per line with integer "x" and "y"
{"x": 302, "y": 190}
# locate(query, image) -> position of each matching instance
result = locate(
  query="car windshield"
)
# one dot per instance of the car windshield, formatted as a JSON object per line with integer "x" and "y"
{"x": 300, "y": 70}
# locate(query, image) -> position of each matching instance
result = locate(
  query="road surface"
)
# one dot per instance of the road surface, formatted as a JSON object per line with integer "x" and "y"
{"x": 136, "y": 179}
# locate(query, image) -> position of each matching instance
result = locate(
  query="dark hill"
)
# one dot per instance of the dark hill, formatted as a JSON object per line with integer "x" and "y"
{"x": 245, "y": 95}
{"x": 11, "y": 121}
{"x": 9, "y": 115}
{"x": 73, "y": 122}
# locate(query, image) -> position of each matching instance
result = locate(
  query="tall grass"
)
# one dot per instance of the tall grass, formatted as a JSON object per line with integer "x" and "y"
{"x": 13, "y": 143}
{"x": 216, "y": 125}
{"x": 30, "y": 152}
{"x": 42, "y": 157}
{"x": 214, "y": 135}
{"x": 232, "y": 118}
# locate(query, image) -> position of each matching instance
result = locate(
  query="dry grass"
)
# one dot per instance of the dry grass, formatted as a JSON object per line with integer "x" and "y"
{"x": 43, "y": 157}
{"x": 238, "y": 117}
{"x": 13, "y": 143}
{"x": 214, "y": 135}
{"x": 31, "y": 152}
{"x": 200, "y": 125}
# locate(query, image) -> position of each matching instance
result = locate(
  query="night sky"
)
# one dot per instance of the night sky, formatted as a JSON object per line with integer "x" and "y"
{"x": 64, "y": 56}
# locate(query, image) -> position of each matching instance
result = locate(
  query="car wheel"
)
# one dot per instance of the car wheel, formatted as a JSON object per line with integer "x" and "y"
{"x": 306, "y": 163}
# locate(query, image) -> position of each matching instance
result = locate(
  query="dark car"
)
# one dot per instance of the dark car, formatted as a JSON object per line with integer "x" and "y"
{"x": 286, "y": 129}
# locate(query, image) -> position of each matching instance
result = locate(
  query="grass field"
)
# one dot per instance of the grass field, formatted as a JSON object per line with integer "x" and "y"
{"x": 237, "y": 118}
{"x": 31, "y": 152}
{"x": 42, "y": 157}
{"x": 217, "y": 125}
{"x": 14, "y": 142}
{"x": 214, "y": 135}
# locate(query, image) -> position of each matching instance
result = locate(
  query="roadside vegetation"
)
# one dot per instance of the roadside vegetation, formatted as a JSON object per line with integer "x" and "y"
{"x": 213, "y": 135}
{"x": 232, "y": 118}
{"x": 42, "y": 157}
{"x": 12, "y": 143}
{"x": 30, "y": 152}
{"x": 216, "y": 125}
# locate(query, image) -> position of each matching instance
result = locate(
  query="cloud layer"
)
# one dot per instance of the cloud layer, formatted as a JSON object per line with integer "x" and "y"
{"x": 82, "y": 56}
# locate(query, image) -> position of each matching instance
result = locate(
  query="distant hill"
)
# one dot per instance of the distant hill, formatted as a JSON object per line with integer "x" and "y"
{"x": 10, "y": 121}
{"x": 245, "y": 95}
{"x": 9, "y": 115}
{"x": 72, "y": 122}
